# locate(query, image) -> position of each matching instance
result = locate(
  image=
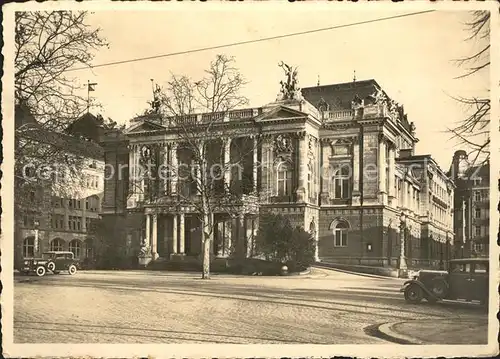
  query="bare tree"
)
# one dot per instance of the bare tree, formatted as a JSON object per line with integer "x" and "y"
{"x": 47, "y": 45}
{"x": 473, "y": 130}
{"x": 212, "y": 97}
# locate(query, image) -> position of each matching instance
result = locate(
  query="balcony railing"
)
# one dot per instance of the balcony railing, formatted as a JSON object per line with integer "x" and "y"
{"x": 338, "y": 115}
{"x": 190, "y": 120}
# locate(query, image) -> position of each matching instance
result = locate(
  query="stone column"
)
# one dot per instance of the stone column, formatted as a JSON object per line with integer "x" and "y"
{"x": 131, "y": 167}
{"x": 166, "y": 167}
{"x": 227, "y": 161}
{"x": 174, "y": 165}
{"x": 154, "y": 236}
{"x": 174, "y": 234}
{"x": 381, "y": 171}
{"x": 355, "y": 174}
{"x": 148, "y": 231}
{"x": 181, "y": 234}
{"x": 302, "y": 194}
{"x": 392, "y": 169}
{"x": 255, "y": 160}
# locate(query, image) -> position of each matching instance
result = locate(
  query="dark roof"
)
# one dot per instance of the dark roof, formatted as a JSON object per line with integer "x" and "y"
{"x": 340, "y": 96}
{"x": 33, "y": 131}
{"x": 482, "y": 171}
{"x": 87, "y": 126}
{"x": 62, "y": 141}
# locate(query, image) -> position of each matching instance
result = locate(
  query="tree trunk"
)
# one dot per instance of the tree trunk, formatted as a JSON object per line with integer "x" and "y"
{"x": 206, "y": 257}
{"x": 206, "y": 241}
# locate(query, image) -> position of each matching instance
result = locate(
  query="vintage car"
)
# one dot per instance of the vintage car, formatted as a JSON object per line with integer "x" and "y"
{"x": 53, "y": 261}
{"x": 465, "y": 278}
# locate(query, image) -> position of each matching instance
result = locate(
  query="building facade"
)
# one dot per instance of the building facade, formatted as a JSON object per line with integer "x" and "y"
{"x": 472, "y": 206}
{"x": 337, "y": 160}
{"x": 58, "y": 209}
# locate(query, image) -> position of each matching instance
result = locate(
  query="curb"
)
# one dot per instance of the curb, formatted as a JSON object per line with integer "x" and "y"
{"x": 357, "y": 273}
{"x": 387, "y": 331}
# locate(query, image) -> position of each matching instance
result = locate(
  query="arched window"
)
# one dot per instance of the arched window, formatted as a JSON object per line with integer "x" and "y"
{"x": 341, "y": 183}
{"x": 57, "y": 244}
{"x": 29, "y": 247}
{"x": 340, "y": 234}
{"x": 75, "y": 246}
{"x": 284, "y": 180}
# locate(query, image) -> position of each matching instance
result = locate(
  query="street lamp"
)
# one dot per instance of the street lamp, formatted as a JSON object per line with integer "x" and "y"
{"x": 402, "y": 233}
{"x": 441, "y": 262}
{"x": 36, "y": 224}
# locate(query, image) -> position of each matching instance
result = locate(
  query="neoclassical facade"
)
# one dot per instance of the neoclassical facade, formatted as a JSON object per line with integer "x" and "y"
{"x": 338, "y": 160}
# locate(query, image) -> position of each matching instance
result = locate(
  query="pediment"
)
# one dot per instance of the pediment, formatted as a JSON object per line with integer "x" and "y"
{"x": 145, "y": 126}
{"x": 280, "y": 112}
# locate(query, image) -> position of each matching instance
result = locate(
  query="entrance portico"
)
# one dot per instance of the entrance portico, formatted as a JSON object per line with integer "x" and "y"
{"x": 179, "y": 234}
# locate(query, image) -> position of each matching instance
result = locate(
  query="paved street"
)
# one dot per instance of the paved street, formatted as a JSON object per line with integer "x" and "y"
{"x": 326, "y": 307}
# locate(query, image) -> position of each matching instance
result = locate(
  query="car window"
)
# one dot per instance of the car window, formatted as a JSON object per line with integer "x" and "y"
{"x": 481, "y": 268}
{"x": 461, "y": 268}
{"x": 60, "y": 256}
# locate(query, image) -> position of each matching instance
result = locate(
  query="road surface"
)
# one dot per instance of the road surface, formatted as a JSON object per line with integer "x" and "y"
{"x": 326, "y": 307}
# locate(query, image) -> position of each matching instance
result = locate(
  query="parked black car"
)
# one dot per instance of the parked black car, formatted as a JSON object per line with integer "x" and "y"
{"x": 53, "y": 261}
{"x": 465, "y": 278}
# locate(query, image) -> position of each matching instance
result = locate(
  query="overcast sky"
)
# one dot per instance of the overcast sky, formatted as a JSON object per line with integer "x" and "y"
{"x": 411, "y": 58}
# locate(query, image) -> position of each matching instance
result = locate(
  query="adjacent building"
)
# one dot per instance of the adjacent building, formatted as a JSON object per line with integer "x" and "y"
{"x": 472, "y": 206}
{"x": 56, "y": 208}
{"x": 338, "y": 160}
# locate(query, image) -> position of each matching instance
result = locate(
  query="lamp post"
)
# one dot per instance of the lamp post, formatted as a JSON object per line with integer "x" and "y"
{"x": 441, "y": 259}
{"x": 36, "y": 225}
{"x": 402, "y": 233}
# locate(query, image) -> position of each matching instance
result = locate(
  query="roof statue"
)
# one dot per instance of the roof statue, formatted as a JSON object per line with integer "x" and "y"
{"x": 413, "y": 128}
{"x": 290, "y": 89}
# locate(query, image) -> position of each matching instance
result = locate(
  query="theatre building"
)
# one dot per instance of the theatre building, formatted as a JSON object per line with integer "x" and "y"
{"x": 338, "y": 160}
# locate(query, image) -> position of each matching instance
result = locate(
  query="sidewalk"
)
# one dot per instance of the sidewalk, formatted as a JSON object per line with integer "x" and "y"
{"x": 370, "y": 270}
{"x": 446, "y": 331}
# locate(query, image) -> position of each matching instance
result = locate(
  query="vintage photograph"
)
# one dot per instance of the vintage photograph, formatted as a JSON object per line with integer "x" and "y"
{"x": 250, "y": 175}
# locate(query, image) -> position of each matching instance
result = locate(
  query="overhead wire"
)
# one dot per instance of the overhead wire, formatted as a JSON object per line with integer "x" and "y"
{"x": 239, "y": 43}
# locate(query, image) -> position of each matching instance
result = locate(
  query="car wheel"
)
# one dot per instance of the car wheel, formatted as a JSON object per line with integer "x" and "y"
{"x": 414, "y": 294}
{"x": 439, "y": 288}
{"x": 72, "y": 269}
{"x": 51, "y": 266}
{"x": 40, "y": 271}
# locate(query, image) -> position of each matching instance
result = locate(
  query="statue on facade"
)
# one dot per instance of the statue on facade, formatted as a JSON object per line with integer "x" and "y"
{"x": 379, "y": 97}
{"x": 289, "y": 89}
{"x": 413, "y": 128}
{"x": 356, "y": 102}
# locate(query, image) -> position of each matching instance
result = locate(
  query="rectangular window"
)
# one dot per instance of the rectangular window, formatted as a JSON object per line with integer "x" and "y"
{"x": 477, "y": 196}
{"x": 340, "y": 238}
{"x": 478, "y": 213}
{"x": 478, "y": 231}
